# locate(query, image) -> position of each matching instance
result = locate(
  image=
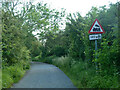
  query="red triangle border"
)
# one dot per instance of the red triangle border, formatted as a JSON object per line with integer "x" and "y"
{"x": 100, "y": 26}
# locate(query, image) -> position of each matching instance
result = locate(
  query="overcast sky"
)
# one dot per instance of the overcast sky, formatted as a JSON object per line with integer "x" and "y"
{"x": 72, "y": 6}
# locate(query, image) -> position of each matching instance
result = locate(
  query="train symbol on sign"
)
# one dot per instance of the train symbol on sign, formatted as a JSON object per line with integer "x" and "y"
{"x": 96, "y": 28}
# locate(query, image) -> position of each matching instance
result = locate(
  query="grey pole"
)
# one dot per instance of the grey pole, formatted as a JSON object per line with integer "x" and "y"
{"x": 96, "y": 55}
{"x": 95, "y": 48}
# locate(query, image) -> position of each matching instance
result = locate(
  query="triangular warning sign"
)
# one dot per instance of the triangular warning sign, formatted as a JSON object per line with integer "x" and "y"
{"x": 96, "y": 27}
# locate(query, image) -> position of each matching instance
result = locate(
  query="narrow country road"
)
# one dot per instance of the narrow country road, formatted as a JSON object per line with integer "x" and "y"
{"x": 43, "y": 75}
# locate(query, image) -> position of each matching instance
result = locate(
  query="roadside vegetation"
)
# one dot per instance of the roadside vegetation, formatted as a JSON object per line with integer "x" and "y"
{"x": 74, "y": 53}
{"x": 69, "y": 49}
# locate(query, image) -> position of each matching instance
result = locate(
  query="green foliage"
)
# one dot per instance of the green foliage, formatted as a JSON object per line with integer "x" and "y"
{"x": 36, "y": 52}
{"x": 59, "y": 48}
{"x": 0, "y": 79}
{"x": 83, "y": 75}
{"x": 70, "y": 49}
{"x": 108, "y": 60}
{"x": 37, "y": 57}
{"x": 11, "y": 74}
{"x": 58, "y": 51}
{"x": 62, "y": 61}
{"x": 6, "y": 81}
{"x": 103, "y": 82}
{"x": 48, "y": 59}
{"x": 74, "y": 29}
{"x": 13, "y": 45}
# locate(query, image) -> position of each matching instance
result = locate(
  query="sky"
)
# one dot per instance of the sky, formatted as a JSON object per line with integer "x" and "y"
{"x": 72, "y": 6}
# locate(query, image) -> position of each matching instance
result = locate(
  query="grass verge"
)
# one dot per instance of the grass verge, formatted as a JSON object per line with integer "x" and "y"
{"x": 13, "y": 74}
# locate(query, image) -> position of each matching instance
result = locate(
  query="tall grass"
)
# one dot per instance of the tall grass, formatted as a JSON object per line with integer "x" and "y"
{"x": 62, "y": 61}
{"x": 83, "y": 75}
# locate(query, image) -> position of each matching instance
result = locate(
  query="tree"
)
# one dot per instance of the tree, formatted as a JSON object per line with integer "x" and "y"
{"x": 74, "y": 28}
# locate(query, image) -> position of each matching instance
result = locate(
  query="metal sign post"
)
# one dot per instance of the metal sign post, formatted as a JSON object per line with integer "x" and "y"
{"x": 96, "y": 55}
{"x": 96, "y": 30}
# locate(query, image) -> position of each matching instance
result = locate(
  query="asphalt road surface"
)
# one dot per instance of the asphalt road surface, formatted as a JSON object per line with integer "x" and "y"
{"x": 43, "y": 75}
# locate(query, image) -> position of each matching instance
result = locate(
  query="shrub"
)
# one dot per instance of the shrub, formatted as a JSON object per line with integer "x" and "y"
{"x": 62, "y": 61}
{"x": 80, "y": 74}
{"x": 104, "y": 82}
{"x": 12, "y": 74}
{"x": 49, "y": 59}
{"x": 6, "y": 80}
{"x": 108, "y": 60}
{"x": 25, "y": 65}
{"x": 37, "y": 58}
{"x": 58, "y": 51}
